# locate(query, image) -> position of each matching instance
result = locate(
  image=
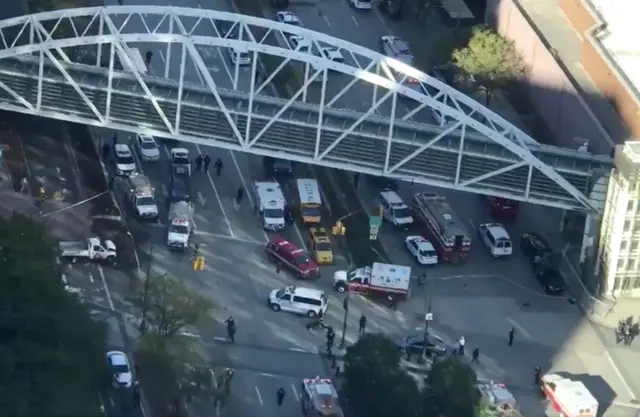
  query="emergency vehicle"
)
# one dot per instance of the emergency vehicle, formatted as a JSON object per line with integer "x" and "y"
{"x": 569, "y": 398}
{"x": 319, "y": 398}
{"x": 140, "y": 196}
{"x": 394, "y": 210}
{"x": 422, "y": 250}
{"x": 271, "y": 205}
{"x": 389, "y": 281}
{"x": 125, "y": 164}
{"x": 292, "y": 258}
{"x": 310, "y": 201}
{"x": 320, "y": 245}
{"x": 299, "y": 300}
{"x": 440, "y": 224}
{"x": 180, "y": 225}
{"x": 496, "y": 239}
{"x": 503, "y": 208}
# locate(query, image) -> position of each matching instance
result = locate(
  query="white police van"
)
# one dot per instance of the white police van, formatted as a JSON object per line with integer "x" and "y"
{"x": 496, "y": 239}
{"x": 394, "y": 210}
{"x": 271, "y": 205}
{"x": 299, "y": 300}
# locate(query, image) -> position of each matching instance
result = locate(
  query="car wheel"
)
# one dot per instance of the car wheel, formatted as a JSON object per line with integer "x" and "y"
{"x": 341, "y": 288}
{"x": 275, "y": 307}
{"x": 311, "y": 314}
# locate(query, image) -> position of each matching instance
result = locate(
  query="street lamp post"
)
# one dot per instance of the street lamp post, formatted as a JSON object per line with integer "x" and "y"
{"x": 345, "y": 306}
{"x": 145, "y": 297}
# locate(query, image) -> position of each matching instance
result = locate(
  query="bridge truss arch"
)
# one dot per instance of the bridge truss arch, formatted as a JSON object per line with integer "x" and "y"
{"x": 76, "y": 65}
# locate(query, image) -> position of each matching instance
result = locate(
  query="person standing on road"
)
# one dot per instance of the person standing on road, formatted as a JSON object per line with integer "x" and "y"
{"x": 280, "y": 396}
{"x": 219, "y": 166}
{"x": 461, "y": 344}
{"x": 362, "y": 324}
{"x": 207, "y": 162}
{"x": 512, "y": 334}
{"x": 475, "y": 356}
{"x": 231, "y": 329}
{"x": 115, "y": 139}
{"x": 239, "y": 195}
{"x": 106, "y": 149}
{"x": 198, "y": 162}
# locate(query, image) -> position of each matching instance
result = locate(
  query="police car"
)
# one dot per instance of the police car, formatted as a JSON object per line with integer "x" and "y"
{"x": 422, "y": 250}
{"x": 289, "y": 18}
{"x": 125, "y": 164}
{"x": 395, "y": 47}
{"x": 496, "y": 239}
{"x": 299, "y": 43}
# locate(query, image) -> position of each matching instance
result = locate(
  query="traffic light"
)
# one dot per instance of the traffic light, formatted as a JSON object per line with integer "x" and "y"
{"x": 338, "y": 229}
{"x": 343, "y": 229}
{"x": 380, "y": 210}
{"x": 198, "y": 263}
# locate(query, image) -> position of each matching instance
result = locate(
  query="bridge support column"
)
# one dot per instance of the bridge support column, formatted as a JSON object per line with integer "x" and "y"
{"x": 618, "y": 259}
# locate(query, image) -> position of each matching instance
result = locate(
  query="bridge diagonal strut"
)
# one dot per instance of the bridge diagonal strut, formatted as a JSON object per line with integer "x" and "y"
{"x": 493, "y": 173}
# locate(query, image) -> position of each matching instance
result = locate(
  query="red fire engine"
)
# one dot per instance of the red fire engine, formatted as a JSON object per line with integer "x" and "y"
{"x": 440, "y": 224}
{"x": 319, "y": 398}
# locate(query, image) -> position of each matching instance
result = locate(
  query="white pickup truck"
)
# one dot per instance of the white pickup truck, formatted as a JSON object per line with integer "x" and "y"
{"x": 93, "y": 249}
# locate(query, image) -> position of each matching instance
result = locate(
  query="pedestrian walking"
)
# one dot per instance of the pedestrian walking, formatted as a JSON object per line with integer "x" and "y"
{"x": 536, "y": 376}
{"x": 280, "y": 395}
{"x": 356, "y": 180}
{"x": 148, "y": 56}
{"x": 512, "y": 334}
{"x": 106, "y": 150}
{"x": 199, "y": 160}
{"x": 475, "y": 355}
{"x": 24, "y": 185}
{"x": 115, "y": 139}
{"x": 239, "y": 195}
{"x": 277, "y": 267}
{"x": 461, "y": 344}
{"x": 112, "y": 180}
{"x": 207, "y": 162}
{"x": 362, "y": 323}
{"x": 219, "y": 166}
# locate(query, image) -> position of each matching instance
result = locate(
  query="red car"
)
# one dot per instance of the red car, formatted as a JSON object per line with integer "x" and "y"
{"x": 292, "y": 257}
{"x": 503, "y": 209}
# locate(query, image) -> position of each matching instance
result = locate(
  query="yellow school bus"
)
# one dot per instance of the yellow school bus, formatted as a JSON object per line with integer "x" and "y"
{"x": 310, "y": 201}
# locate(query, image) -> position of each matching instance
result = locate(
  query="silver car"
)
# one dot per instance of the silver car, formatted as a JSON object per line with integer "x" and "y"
{"x": 148, "y": 149}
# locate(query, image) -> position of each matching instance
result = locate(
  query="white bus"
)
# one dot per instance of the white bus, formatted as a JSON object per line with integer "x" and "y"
{"x": 137, "y": 61}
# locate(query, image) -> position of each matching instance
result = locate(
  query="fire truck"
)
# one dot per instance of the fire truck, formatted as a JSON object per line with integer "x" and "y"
{"x": 319, "y": 398}
{"x": 568, "y": 398}
{"x": 442, "y": 227}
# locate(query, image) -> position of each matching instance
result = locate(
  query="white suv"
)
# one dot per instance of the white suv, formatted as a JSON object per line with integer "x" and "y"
{"x": 299, "y": 300}
{"x": 496, "y": 239}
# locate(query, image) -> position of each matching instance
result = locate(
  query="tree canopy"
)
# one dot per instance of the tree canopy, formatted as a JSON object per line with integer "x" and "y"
{"x": 51, "y": 351}
{"x": 375, "y": 383}
{"x": 490, "y": 59}
{"x": 450, "y": 389}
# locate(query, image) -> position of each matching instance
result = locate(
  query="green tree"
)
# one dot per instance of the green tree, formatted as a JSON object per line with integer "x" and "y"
{"x": 51, "y": 352}
{"x": 491, "y": 60}
{"x": 374, "y": 381}
{"x": 169, "y": 306}
{"x": 451, "y": 390}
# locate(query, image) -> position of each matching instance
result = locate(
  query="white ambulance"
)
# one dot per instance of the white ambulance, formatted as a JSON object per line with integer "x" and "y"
{"x": 270, "y": 205}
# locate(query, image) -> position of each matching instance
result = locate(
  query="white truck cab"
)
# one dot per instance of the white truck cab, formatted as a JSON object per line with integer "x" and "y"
{"x": 394, "y": 210}
{"x": 388, "y": 280}
{"x": 496, "y": 239}
{"x": 141, "y": 197}
{"x": 180, "y": 225}
{"x": 271, "y": 205}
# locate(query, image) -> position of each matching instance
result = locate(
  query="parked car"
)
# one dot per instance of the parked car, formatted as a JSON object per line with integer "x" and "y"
{"x": 535, "y": 247}
{"x": 120, "y": 369}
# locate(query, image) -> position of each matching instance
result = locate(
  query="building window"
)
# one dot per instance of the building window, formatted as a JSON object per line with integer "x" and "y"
{"x": 631, "y": 206}
{"x": 634, "y": 245}
{"x": 627, "y": 226}
{"x": 616, "y": 283}
{"x": 631, "y": 265}
{"x": 636, "y": 282}
{"x": 621, "y": 263}
{"x": 623, "y": 245}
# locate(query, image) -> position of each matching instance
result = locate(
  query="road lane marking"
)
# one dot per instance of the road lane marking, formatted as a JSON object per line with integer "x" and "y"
{"x": 91, "y": 278}
{"x": 106, "y": 288}
{"x": 258, "y": 393}
{"x": 324, "y": 16}
{"x": 619, "y": 374}
{"x": 295, "y": 392}
{"x": 215, "y": 191}
{"x": 519, "y": 328}
{"x": 473, "y": 226}
{"x": 355, "y": 20}
{"x": 247, "y": 191}
{"x": 63, "y": 277}
{"x": 162, "y": 56}
{"x": 201, "y": 199}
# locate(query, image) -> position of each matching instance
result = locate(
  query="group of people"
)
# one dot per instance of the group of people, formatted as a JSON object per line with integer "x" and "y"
{"x": 626, "y": 331}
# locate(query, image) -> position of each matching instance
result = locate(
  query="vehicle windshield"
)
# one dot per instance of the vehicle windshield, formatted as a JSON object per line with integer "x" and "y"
{"x": 180, "y": 160}
{"x": 120, "y": 369}
{"x": 323, "y": 247}
{"x": 301, "y": 259}
{"x": 146, "y": 201}
{"x": 428, "y": 253}
{"x": 273, "y": 213}
{"x": 402, "y": 213}
{"x": 125, "y": 160}
{"x": 279, "y": 294}
{"x": 282, "y": 165}
{"x": 311, "y": 211}
{"x": 180, "y": 229}
{"x": 149, "y": 145}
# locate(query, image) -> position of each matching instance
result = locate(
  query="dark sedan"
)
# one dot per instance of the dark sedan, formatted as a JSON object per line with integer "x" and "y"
{"x": 545, "y": 262}
{"x": 535, "y": 247}
{"x": 550, "y": 278}
{"x": 416, "y": 344}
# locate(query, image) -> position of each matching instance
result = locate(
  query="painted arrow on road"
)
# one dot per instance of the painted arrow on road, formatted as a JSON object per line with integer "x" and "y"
{"x": 201, "y": 199}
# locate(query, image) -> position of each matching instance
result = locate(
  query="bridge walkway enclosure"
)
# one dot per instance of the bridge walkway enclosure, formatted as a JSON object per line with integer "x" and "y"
{"x": 73, "y": 65}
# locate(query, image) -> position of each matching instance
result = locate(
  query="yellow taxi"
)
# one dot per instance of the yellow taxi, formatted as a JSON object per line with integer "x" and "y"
{"x": 321, "y": 245}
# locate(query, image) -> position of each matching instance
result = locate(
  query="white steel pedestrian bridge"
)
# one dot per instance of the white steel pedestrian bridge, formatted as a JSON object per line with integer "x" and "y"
{"x": 359, "y": 110}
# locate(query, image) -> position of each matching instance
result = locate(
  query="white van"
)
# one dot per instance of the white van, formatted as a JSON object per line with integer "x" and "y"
{"x": 239, "y": 56}
{"x": 271, "y": 205}
{"x": 299, "y": 300}
{"x": 496, "y": 239}
{"x": 394, "y": 210}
